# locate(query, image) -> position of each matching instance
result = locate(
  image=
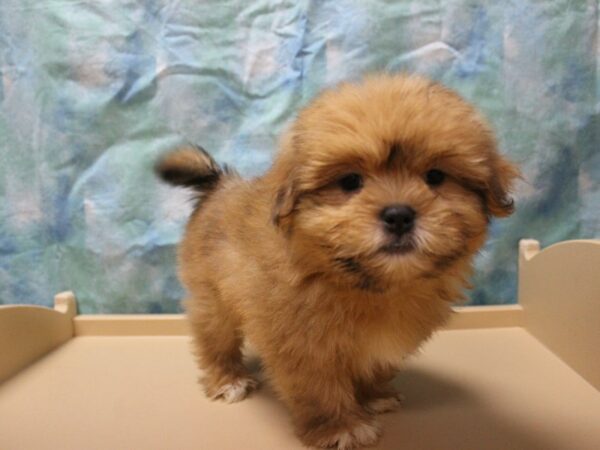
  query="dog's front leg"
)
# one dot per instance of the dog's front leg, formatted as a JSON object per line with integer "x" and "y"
{"x": 324, "y": 406}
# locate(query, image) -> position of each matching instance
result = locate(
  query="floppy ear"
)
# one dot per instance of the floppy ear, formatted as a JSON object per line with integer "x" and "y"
{"x": 497, "y": 192}
{"x": 285, "y": 202}
{"x": 285, "y": 178}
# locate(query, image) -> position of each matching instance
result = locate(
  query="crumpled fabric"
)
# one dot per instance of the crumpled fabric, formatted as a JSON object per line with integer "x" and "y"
{"x": 91, "y": 93}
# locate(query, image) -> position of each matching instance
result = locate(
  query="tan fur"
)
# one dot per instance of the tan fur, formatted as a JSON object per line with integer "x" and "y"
{"x": 294, "y": 264}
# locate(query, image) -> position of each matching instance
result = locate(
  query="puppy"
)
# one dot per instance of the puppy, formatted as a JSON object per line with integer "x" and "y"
{"x": 346, "y": 255}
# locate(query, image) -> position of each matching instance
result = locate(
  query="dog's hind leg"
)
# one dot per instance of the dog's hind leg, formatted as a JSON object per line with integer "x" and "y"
{"x": 377, "y": 394}
{"x": 217, "y": 342}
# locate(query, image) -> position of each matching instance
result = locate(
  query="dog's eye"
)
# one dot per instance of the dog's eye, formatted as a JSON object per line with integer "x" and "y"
{"x": 351, "y": 182}
{"x": 435, "y": 177}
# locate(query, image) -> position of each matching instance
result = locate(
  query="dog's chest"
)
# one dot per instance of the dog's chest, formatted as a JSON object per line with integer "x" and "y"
{"x": 386, "y": 346}
{"x": 389, "y": 339}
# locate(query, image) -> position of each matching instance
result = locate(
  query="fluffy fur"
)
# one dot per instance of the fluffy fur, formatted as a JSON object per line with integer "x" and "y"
{"x": 302, "y": 266}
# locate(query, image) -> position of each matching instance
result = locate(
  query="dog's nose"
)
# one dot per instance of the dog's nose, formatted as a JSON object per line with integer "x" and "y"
{"x": 398, "y": 219}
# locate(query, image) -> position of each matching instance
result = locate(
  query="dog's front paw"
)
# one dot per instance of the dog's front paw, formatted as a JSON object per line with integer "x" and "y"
{"x": 236, "y": 390}
{"x": 363, "y": 434}
{"x": 385, "y": 404}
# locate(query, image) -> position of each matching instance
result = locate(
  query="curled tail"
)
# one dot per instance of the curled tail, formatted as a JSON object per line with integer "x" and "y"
{"x": 190, "y": 167}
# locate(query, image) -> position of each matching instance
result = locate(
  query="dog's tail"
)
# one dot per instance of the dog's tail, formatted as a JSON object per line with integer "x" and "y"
{"x": 191, "y": 167}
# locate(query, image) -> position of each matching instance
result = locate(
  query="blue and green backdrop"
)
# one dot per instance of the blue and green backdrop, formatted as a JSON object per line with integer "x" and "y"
{"x": 91, "y": 93}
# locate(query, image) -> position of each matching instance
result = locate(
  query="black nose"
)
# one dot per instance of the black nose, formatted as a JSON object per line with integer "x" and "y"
{"x": 398, "y": 219}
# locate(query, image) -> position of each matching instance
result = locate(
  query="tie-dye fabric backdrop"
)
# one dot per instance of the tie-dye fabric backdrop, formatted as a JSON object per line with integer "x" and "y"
{"x": 92, "y": 92}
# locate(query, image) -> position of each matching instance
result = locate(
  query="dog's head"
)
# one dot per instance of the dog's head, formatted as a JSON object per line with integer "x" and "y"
{"x": 389, "y": 179}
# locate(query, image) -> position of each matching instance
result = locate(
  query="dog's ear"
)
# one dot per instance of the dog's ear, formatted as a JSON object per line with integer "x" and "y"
{"x": 497, "y": 192}
{"x": 285, "y": 173}
{"x": 285, "y": 202}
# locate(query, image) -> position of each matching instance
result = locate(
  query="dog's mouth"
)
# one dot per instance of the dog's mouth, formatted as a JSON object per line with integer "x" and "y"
{"x": 399, "y": 246}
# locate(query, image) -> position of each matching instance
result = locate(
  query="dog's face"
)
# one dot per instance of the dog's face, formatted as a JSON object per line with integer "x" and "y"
{"x": 391, "y": 179}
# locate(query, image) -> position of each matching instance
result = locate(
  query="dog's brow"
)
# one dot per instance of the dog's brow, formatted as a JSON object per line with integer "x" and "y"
{"x": 394, "y": 154}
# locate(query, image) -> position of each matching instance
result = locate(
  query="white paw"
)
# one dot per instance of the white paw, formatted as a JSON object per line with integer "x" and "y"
{"x": 236, "y": 391}
{"x": 387, "y": 404}
{"x": 364, "y": 434}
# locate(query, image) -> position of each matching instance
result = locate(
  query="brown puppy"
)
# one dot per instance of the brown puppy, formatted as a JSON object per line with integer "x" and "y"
{"x": 346, "y": 255}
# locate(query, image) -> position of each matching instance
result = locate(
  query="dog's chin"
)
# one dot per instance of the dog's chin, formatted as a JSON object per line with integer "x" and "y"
{"x": 399, "y": 246}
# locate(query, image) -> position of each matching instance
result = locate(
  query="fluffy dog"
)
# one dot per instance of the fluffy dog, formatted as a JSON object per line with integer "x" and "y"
{"x": 346, "y": 255}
